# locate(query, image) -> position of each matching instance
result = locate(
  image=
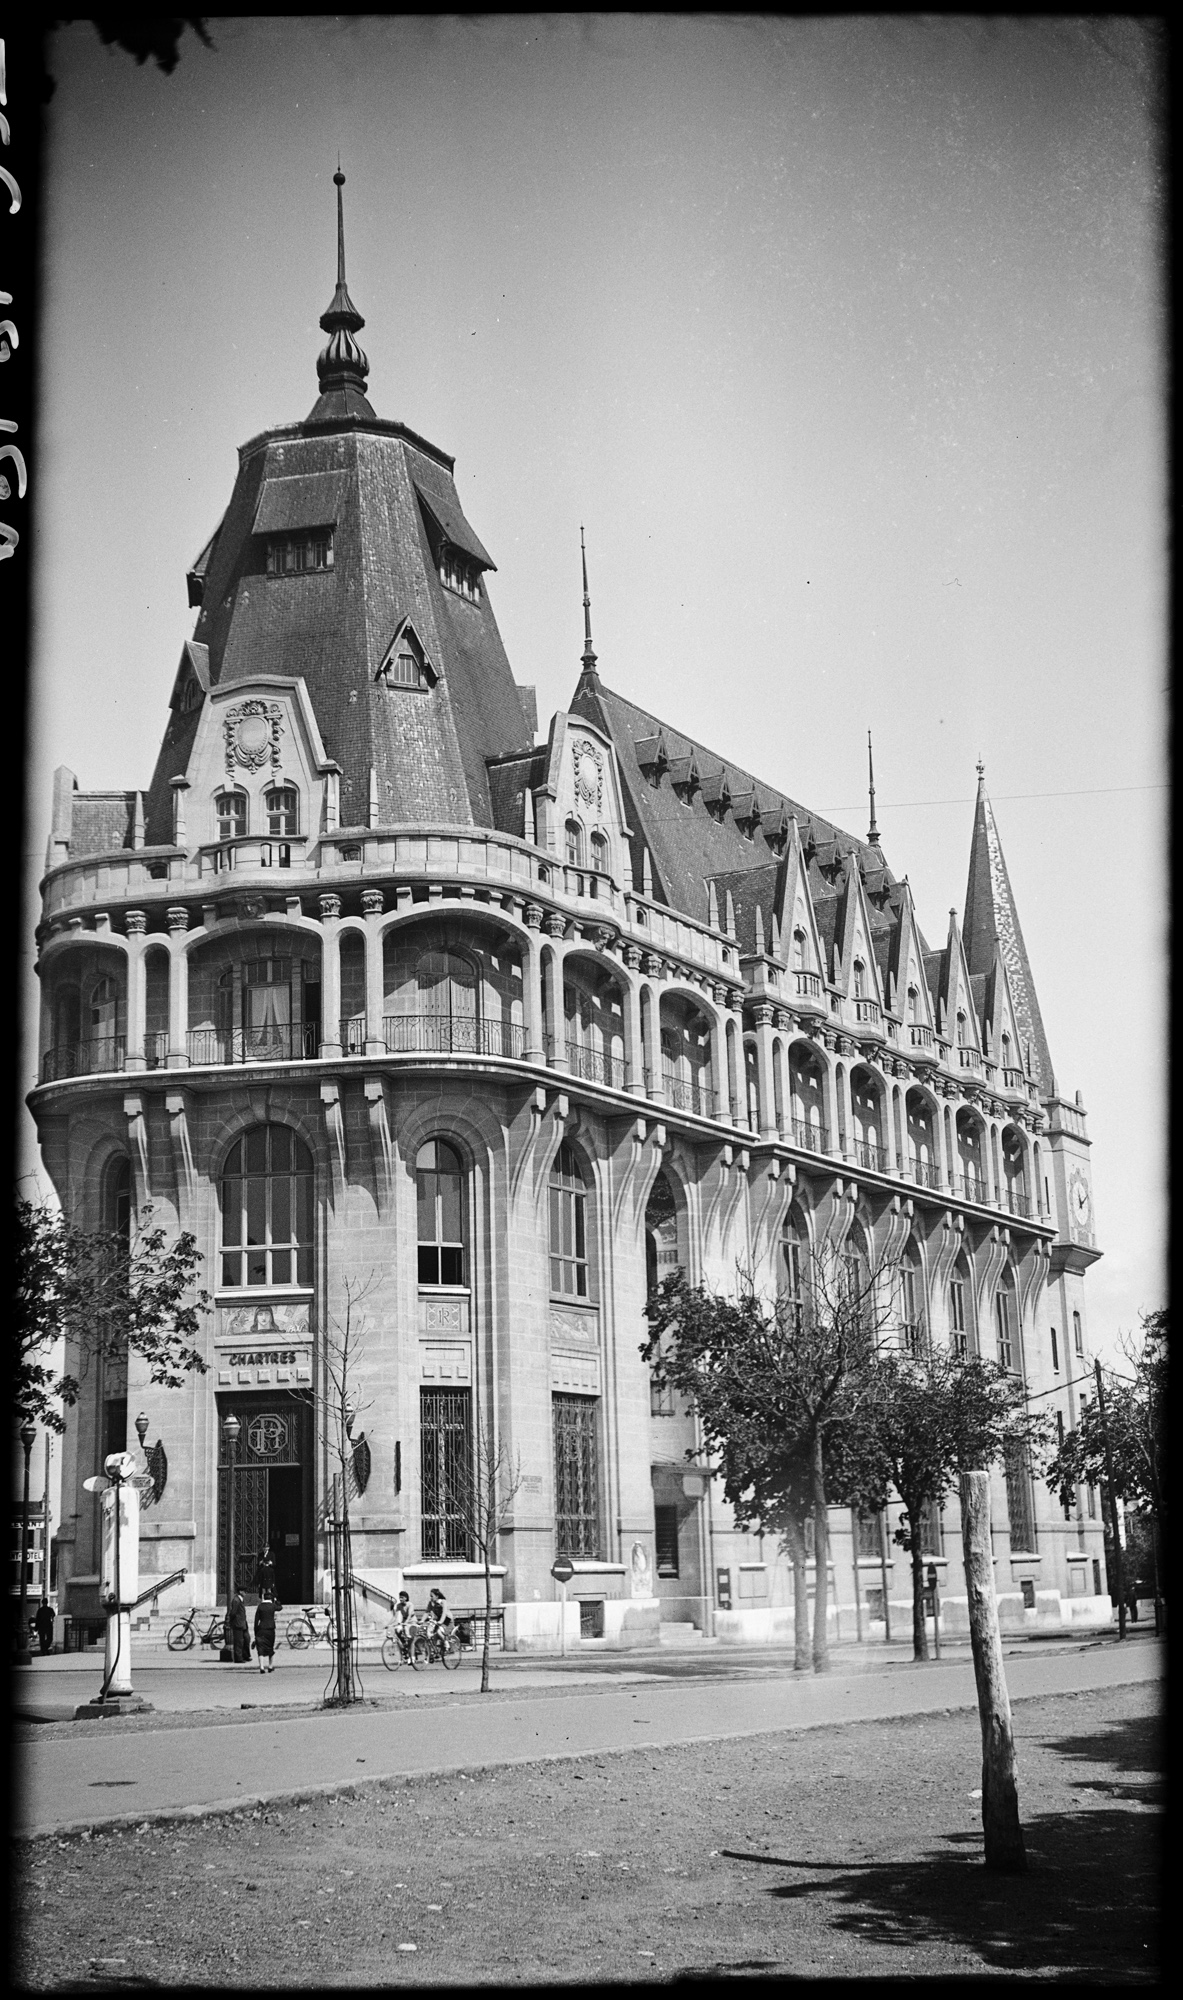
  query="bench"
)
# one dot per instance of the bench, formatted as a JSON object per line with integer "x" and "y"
{"x": 470, "y": 1624}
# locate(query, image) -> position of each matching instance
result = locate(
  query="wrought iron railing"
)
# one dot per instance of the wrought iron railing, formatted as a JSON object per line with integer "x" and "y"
{"x": 866, "y": 1153}
{"x": 684, "y": 1094}
{"x": 1017, "y": 1202}
{"x": 811, "y": 1138}
{"x": 925, "y": 1173}
{"x": 106, "y": 1052}
{"x": 353, "y": 1035}
{"x": 452, "y": 1035}
{"x": 156, "y": 1050}
{"x": 973, "y": 1187}
{"x": 280, "y": 1042}
{"x": 593, "y": 1066}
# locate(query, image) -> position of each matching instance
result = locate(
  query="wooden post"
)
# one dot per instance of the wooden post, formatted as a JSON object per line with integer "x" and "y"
{"x": 1000, "y": 1799}
{"x": 1118, "y": 1565}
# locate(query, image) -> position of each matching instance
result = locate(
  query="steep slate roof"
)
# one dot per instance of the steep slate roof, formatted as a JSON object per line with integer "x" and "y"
{"x": 991, "y": 916}
{"x": 100, "y": 822}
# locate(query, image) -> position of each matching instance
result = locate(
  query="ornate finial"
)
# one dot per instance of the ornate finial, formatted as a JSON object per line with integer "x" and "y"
{"x": 589, "y": 658}
{"x": 981, "y": 775}
{"x": 341, "y": 364}
{"x": 873, "y": 830}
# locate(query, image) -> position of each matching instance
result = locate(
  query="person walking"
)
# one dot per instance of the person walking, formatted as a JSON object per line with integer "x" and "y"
{"x": 265, "y": 1574}
{"x": 238, "y": 1636}
{"x": 265, "y": 1611}
{"x": 44, "y": 1624}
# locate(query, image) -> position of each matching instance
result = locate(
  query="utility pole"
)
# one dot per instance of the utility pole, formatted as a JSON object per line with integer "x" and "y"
{"x": 1118, "y": 1574}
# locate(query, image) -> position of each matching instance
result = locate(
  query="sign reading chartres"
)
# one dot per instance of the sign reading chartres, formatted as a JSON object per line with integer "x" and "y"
{"x": 562, "y": 1569}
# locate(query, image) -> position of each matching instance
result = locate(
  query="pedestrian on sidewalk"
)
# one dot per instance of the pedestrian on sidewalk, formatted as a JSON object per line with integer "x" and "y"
{"x": 44, "y": 1623}
{"x": 238, "y": 1635}
{"x": 265, "y": 1574}
{"x": 265, "y": 1611}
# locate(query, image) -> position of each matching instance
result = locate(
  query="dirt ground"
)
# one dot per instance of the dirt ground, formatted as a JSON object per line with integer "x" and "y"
{"x": 838, "y": 1852}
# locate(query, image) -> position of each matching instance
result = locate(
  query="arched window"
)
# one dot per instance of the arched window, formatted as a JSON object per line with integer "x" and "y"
{"x": 1078, "y": 1335}
{"x": 794, "y": 1253}
{"x": 266, "y": 1202}
{"x": 860, "y": 979}
{"x": 961, "y": 1029}
{"x": 913, "y": 1004}
{"x": 230, "y": 808}
{"x": 911, "y": 1302}
{"x": 1055, "y": 1351}
{"x": 573, "y": 834}
{"x": 568, "y": 1226}
{"x": 599, "y": 853}
{"x": 282, "y": 808}
{"x": 959, "y": 1309}
{"x": 1004, "y": 1315}
{"x": 800, "y": 958}
{"x": 1006, "y": 1052}
{"x": 104, "y": 1008}
{"x": 439, "y": 1181}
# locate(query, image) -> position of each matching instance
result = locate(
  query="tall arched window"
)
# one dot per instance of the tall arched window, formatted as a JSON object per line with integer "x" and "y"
{"x": 959, "y": 1311}
{"x": 860, "y": 979}
{"x": 266, "y": 1202}
{"x": 230, "y": 808}
{"x": 568, "y": 1226}
{"x": 439, "y": 1182}
{"x": 1078, "y": 1335}
{"x": 962, "y": 1029}
{"x": 800, "y": 958}
{"x": 573, "y": 838}
{"x": 912, "y": 1302}
{"x": 794, "y": 1253}
{"x": 1004, "y": 1316}
{"x": 282, "y": 808}
{"x": 599, "y": 853}
{"x": 913, "y": 1004}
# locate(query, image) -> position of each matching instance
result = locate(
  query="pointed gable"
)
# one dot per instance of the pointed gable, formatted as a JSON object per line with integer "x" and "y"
{"x": 906, "y": 966}
{"x": 956, "y": 992}
{"x": 800, "y": 939}
{"x": 992, "y": 919}
{"x": 856, "y": 939}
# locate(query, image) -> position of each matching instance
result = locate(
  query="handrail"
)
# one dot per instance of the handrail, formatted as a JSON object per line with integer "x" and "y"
{"x": 369, "y": 1590}
{"x": 157, "y": 1585}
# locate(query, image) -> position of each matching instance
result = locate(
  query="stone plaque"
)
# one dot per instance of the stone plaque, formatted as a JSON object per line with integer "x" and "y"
{"x": 444, "y": 1362}
{"x": 264, "y": 1325}
{"x": 580, "y": 1331}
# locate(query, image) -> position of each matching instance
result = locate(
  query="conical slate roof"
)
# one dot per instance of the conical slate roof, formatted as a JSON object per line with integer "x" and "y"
{"x": 991, "y": 917}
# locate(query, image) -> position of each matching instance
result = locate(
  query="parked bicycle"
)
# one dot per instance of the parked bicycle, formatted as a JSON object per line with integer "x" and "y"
{"x": 442, "y": 1645}
{"x": 304, "y": 1630}
{"x": 181, "y": 1636}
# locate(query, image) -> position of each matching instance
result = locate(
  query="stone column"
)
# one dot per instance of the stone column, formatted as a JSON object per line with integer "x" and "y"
{"x": 178, "y": 989}
{"x": 532, "y": 985}
{"x": 330, "y": 974}
{"x": 737, "y": 1079}
{"x": 765, "y": 1089}
{"x": 137, "y": 924}
{"x": 371, "y": 904}
{"x": 718, "y": 1021}
{"x": 556, "y": 1055}
{"x": 844, "y": 1139}
{"x": 830, "y": 1092}
{"x": 942, "y": 1148}
{"x": 634, "y": 1048}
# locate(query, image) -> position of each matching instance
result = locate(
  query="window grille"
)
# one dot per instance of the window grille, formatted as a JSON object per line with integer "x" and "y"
{"x": 439, "y": 1181}
{"x": 445, "y": 1473}
{"x": 1020, "y": 1500}
{"x": 568, "y": 1226}
{"x": 665, "y": 1520}
{"x": 266, "y": 1204}
{"x": 577, "y": 1476}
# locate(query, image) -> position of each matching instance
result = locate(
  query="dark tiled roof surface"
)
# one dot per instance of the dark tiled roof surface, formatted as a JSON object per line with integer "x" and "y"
{"x": 299, "y": 500}
{"x": 101, "y": 822}
{"x": 992, "y": 919}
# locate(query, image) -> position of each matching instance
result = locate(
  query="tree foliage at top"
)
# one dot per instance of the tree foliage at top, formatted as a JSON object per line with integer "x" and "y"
{"x": 109, "y": 1296}
{"x": 1136, "y": 1417}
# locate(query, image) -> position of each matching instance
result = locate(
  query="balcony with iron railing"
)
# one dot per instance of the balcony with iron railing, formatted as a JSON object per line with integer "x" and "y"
{"x": 868, "y": 1153}
{"x": 277, "y": 1042}
{"x": 593, "y": 1065}
{"x": 810, "y": 1138}
{"x": 1017, "y": 1203}
{"x": 453, "y": 1035}
{"x": 972, "y": 1187}
{"x": 91, "y": 1058}
{"x": 925, "y": 1173}
{"x": 683, "y": 1093}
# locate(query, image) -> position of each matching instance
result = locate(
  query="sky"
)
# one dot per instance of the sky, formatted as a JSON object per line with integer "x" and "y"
{"x": 843, "y": 338}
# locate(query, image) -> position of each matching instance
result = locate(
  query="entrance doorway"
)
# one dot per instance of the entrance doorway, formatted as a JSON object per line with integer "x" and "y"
{"x": 273, "y": 1480}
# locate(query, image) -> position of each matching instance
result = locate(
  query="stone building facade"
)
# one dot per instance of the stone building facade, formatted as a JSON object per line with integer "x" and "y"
{"x": 376, "y": 993}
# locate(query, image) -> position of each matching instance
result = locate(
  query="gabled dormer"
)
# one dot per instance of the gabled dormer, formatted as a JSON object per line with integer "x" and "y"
{"x": 579, "y": 811}
{"x": 856, "y": 974}
{"x": 716, "y": 793}
{"x": 1001, "y": 1042}
{"x": 684, "y": 777}
{"x": 405, "y": 666}
{"x": 191, "y": 683}
{"x": 956, "y": 1013}
{"x": 907, "y": 986}
{"x": 800, "y": 939}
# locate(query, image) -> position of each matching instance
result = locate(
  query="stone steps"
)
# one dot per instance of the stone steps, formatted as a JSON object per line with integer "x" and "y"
{"x": 680, "y": 1632}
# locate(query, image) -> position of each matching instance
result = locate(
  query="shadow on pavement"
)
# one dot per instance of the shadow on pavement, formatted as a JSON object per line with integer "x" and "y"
{"x": 1088, "y": 1907}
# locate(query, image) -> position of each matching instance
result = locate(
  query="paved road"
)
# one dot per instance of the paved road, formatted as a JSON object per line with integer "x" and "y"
{"x": 111, "y": 1774}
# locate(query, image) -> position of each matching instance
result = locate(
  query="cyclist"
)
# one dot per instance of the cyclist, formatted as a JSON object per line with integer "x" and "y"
{"x": 438, "y": 1620}
{"x": 403, "y": 1619}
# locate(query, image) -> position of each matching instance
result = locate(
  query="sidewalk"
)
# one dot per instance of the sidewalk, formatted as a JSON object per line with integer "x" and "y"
{"x": 225, "y": 1766}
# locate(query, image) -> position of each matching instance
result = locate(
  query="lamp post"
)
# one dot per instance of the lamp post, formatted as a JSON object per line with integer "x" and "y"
{"x": 230, "y": 1430}
{"x": 28, "y": 1437}
{"x": 141, "y": 1428}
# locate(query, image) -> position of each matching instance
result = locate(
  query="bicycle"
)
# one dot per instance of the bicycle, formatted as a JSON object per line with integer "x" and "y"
{"x": 304, "y": 1631}
{"x": 442, "y": 1645}
{"x": 181, "y": 1636}
{"x": 396, "y": 1646}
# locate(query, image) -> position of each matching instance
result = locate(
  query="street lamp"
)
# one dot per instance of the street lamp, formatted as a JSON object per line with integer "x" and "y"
{"x": 141, "y": 1428}
{"x": 230, "y": 1431}
{"x": 24, "y": 1658}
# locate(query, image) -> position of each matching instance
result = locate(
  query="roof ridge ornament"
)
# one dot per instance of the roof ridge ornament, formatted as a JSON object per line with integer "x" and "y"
{"x": 341, "y": 364}
{"x": 873, "y": 830}
{"x": 588, "y": 655}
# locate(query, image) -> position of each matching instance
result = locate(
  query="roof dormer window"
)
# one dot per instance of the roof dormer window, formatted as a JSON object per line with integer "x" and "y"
{"x": 403, "y": 671}
{"x": 405, "y": 664}
{"x": 190, "y": 696}
{"x": 295, "y": 554}
{"x": 458, "y": 573}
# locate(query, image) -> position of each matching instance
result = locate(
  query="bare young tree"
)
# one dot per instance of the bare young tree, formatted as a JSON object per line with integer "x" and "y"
{"x": 480, "y": 1497}
{"x": 342, "y": 1407}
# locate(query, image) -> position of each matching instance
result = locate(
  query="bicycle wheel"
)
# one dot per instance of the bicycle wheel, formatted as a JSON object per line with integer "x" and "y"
{"x": 420, "y": 1654}
{"x": 180, "y": 1637}
{"x": 217, "y": 1635}
{"x": 391, "y": 1654}
{"x": 450, "y": 1651}
{"x": 298, "y": 1634}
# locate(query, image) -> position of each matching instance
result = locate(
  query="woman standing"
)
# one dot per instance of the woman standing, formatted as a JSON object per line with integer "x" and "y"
{"x": 265, "y": 1611}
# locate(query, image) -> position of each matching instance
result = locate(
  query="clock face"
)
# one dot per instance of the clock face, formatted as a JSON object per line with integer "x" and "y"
{"x": 1079, "y": 1197}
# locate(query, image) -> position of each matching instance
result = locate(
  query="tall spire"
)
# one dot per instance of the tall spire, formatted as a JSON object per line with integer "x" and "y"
{"x": 992, "y": 925}
{"x": 873, "y": 830}
{"x": 588, "y": 656}
{"x": 341, "y": 365}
